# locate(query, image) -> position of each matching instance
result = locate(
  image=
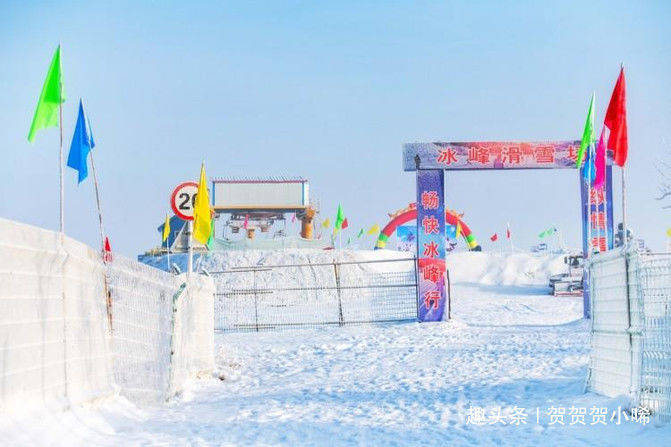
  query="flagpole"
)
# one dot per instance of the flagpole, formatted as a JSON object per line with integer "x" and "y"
{"x": 189, "y": 226}
{"x": 167, "y": 247}
{"x": 60, "y": 164}
{"x": 100, "y": 213}
{"x": 589, "y": 209}
{"x": 624, "y": 196}
{"x": 625, "y": 239}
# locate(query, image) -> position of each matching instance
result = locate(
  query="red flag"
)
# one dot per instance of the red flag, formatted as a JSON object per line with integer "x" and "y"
{"x": 107, "y": 252}
{"x": 345, "y": 224}
{"x": 508, "y": 232}
{"x": 246, "y": 223}
{"x": 600, "y": 162}
{"x": 494, "y": 237}
{"x": 616, "y": 121}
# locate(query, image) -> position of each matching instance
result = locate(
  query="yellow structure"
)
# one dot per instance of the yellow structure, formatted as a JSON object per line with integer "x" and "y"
{"x": 306, "y": 218}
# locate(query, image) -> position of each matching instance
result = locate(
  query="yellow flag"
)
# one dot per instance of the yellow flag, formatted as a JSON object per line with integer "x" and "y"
{"x": 668, "y": 232}
{"x": 326, "y": 223}
{"x": 202, "y": 217}
{"x": 458, "y": 229}
{"x": 373, "y": 230}
{"x": 166, "y": 228}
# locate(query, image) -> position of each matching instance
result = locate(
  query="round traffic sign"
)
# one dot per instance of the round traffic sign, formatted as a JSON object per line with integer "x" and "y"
{"x": 183, "y": 199}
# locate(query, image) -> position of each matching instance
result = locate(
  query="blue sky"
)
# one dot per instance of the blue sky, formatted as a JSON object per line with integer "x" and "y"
{"x": 328, "y": 91}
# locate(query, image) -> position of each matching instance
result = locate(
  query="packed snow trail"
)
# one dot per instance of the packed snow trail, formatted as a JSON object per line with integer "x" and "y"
{"x": 509, "y": 345}
{"x": 404, "y": 384}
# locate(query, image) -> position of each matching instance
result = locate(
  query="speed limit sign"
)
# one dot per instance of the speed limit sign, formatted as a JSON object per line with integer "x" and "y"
{"x": 183, "y": 199}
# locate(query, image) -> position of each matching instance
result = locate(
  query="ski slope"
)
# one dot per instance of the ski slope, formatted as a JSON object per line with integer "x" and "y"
{"x": 508, "y": 345}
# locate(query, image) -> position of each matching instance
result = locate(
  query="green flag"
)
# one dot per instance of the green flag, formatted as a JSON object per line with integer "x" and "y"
{"x": 588, "y": 136}
{"x": 340, "y": 217}
{"x": 548, "y": 232}
{"x": 210, "y": 240}
{"x": 53, "y": 94}
{"x": 360, "y": 233}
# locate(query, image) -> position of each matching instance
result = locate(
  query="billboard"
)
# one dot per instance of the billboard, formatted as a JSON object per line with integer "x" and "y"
{"x": 490, "y": 155}
{"x": 252, "y": 195}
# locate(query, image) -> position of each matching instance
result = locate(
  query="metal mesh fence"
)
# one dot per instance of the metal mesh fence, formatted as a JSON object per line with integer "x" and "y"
{"x": 162, "y": 329}
{"x": 631, "y": 328}
{"x": 141, "y": 299}
{"x": 271, "y": 297}
{"x": 653, "y": 289}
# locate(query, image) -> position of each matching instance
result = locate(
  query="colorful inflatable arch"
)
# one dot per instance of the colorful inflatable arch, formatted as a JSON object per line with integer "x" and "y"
{"x": 410, "y": 213}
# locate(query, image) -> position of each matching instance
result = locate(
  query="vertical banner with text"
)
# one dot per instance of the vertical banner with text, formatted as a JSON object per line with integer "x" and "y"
{"x": 599, "y": 219}
{"x": 597, "y": 223}
{"x": 431, "y": 292}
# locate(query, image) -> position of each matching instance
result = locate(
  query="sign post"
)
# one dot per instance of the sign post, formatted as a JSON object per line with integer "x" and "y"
{"x": 182, "y": 202}
{"x": 189, "y": 262}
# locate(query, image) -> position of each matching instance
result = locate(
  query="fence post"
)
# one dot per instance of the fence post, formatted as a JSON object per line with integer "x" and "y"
{"x": 171, "y": 364}
{"x": 449, "y": 295}
{"x": 415, "y": 260}
{"x": 314, "y": 276}
{"x": 256, "y": 304}
{"x": 337, "y": 278}
{"x": 110, "y": 318}
{"x": 108, "y": 295}
{"x": 631, "y": 345}
{"x": 635, "y": 315}
{"x": 590, "y": 288}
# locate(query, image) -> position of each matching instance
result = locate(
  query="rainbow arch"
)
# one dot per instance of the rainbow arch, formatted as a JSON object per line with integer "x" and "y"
{"x": 410, "y": 214}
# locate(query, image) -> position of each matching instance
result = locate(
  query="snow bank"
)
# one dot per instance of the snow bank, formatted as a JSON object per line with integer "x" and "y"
{"x": 226, "y": 260}
{"x": 473, "y": 267}
{"x": 503, "y": 269}
{"x": 54, "y": 334}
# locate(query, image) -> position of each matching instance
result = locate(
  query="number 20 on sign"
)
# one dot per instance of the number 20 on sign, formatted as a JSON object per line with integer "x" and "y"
{"x": 183, "y": 199}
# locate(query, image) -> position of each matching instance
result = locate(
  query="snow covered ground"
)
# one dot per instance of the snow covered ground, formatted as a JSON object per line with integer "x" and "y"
{"x": 510, "y": 349}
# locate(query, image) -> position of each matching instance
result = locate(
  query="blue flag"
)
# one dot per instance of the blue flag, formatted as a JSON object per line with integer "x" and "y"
{"x": 589, "y": 168}
{"x": 82, "y": 143}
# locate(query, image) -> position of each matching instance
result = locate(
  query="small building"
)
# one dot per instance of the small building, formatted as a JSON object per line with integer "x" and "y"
{"x": 257, "y": 204}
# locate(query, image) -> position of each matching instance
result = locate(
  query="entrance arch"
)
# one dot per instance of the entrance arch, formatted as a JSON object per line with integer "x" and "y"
{"x": 429, "y": 161}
